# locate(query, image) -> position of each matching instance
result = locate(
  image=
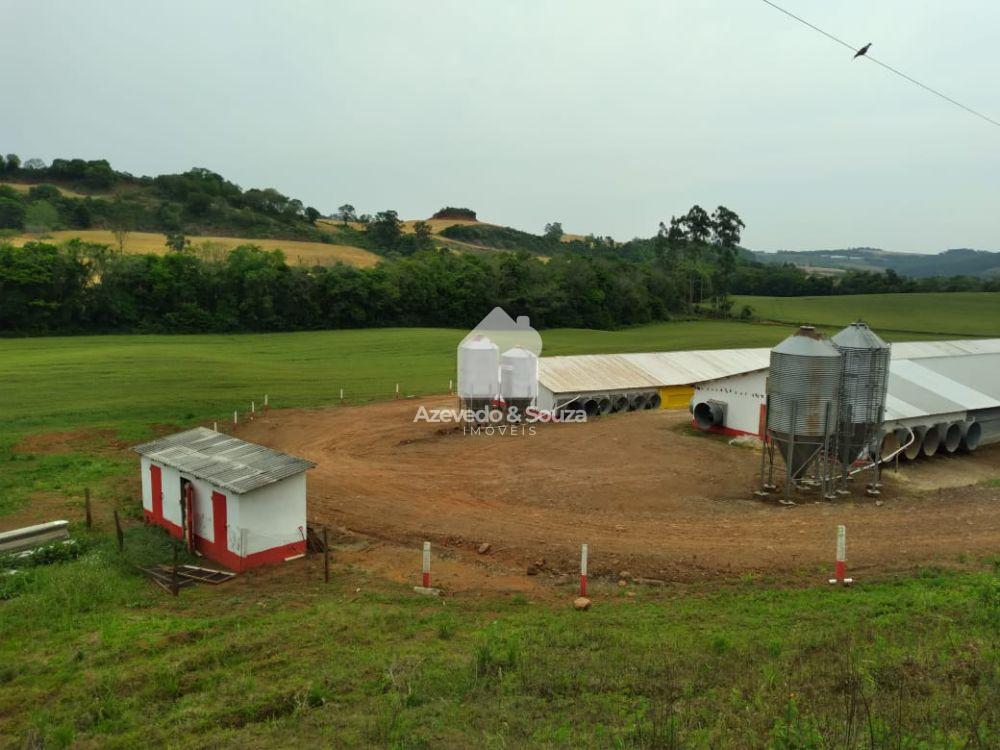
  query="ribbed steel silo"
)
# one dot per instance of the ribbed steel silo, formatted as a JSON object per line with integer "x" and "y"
{"x": 478, "y": 373}
{"x": 518, "y": 380}
{"x": 863, "y": 391}
{"x": 803, "y": 396}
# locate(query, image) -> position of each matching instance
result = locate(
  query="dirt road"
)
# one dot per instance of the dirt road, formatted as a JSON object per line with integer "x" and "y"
{"x": 648, "y": 494}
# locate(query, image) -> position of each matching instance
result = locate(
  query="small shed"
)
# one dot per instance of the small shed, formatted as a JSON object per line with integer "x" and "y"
{"x": 238, "y": 503}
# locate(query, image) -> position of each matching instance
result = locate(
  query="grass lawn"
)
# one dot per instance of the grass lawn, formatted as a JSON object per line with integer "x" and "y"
{"x": 93, "y": 655}
{"x": 946, "y": 314}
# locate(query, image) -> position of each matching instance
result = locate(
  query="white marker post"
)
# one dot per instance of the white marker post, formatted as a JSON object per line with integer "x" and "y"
{"x": 266, "y": 404}
{"x": 427, "y": 565}
{"x": 342, "y": 395}
{"x": 215, "y": 426}
{"x": 253, "y": 407}
{"x": 236, "y": 418}
{"x": 397, "y": 390}
{"x": 840, "y": 568}
{"x": 583, "y": 570}
{"x": 425, "y": 588}
{"x": 451, "y": 389}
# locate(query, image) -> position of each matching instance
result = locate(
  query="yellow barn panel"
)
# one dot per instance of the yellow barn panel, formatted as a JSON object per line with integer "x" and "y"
{"x": 676, "y": 396}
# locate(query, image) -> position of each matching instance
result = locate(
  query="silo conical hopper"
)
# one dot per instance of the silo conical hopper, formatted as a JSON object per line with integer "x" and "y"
{"x": 803, "y": 389}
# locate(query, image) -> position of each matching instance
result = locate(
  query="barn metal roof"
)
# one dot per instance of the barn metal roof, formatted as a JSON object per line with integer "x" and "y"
{"x": 223, "y": 460}
{"x": 942, "y": 385}
{"x": 609, "y": 372}
{"x": 598, "y": 372}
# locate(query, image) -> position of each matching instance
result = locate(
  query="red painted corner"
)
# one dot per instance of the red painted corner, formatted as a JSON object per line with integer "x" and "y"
{"x": 223, "y": 556}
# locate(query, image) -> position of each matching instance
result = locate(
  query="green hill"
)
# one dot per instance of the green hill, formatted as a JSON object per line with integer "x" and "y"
{"x": 79, "y": 194}
{"x": 955, "y": 262}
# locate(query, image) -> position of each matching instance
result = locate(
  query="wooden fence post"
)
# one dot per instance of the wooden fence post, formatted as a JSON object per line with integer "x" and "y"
{"x": 175, "y": 586}
{"x": 326, "y": 556}
{"x": 118, "y": 533}
{"x": 86, "y": 507}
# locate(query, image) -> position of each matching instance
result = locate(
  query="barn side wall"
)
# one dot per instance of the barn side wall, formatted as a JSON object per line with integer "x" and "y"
{"x": 275, "y": 516}
{"x": 147, "y": 487}
{"x": 744, "y": 395}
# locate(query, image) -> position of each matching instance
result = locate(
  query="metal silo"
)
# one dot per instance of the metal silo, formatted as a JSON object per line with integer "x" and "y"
{"x": 803, "y": 395}
{"x": 518, "y": 380}
{"x": 866, "y": 381}
{"x": 478, "y": 373}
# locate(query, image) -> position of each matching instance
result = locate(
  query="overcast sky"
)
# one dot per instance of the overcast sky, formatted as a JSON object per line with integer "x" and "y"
{"x": 606, "y": 116}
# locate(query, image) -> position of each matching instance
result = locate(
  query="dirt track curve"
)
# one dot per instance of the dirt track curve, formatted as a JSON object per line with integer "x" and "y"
{"x": 647, "y": 494}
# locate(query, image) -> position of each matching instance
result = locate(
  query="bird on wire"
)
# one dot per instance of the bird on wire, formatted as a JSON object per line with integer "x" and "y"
{"x": 863, "y": 52}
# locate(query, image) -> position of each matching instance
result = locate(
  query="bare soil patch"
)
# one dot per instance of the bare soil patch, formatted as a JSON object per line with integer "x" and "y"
{"x": 648, "y": 495}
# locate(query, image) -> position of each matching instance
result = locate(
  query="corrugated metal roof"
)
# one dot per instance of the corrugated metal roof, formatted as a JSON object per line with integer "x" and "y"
{"x": 926, "y": 349}
{"x": 592, "y": 372}
{"x": 600, "y": 372}
{"x": 609, "y": 372}
{"x": 223, "y": 460}
{"x": 927, "y": 378}
{"x": 978, "y": 371}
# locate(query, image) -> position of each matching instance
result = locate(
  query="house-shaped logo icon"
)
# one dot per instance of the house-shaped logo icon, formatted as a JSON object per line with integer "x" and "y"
{"x": 498, "y": 363}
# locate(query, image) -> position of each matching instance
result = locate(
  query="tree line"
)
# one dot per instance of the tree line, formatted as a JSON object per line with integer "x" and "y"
{"x": 86, "y": 288}
{"x": 89, "y": 288}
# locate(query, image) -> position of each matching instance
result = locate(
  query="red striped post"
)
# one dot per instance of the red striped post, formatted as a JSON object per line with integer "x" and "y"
{"x": 583, "y": 570}
{"x": 427, "y": 565}
{"x": 840, "y": 567}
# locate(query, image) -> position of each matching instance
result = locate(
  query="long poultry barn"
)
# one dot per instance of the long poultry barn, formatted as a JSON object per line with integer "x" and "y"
{"x": 932, "y": 386}
{"x": 237, "y": 503}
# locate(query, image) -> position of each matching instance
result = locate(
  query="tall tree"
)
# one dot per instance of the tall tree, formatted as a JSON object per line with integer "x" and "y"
{"x": 554, "y": 231}
{"x": 422, "y": 235}
{"x": 697, "y": 225}
{"x": 121, "y": 221}
{"x": 384, "y": 230}
{"x": 346, "y": 213}
{"x": 726, "y": 227}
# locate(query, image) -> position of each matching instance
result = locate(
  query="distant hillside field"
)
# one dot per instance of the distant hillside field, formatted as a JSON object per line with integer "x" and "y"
{"x": 950, "y": 313}
{"x": 151, "y": 242}
{"x": 25, "y": 188}
{"x": 955, "y": 262}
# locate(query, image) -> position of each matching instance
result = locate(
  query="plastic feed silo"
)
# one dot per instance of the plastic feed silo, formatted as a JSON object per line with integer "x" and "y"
{"x": 519, "y": 379}
{"x": 803, "y": 389}
{"x": 478, "y": 373}
{"x": 863, "y": 391}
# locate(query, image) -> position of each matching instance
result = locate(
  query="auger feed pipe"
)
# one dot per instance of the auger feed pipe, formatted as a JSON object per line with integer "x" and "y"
{"x": 886, "y": 459}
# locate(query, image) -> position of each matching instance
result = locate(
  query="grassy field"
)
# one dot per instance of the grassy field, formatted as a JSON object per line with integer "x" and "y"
{"x": 107, "y": 379}
{"x": 92, "y": 655}
{"x": 947, "y": 314}
{"x": 296, "y": 251}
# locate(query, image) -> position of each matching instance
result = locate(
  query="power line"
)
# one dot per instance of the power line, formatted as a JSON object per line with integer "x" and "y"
{"x": 888, "y": 67}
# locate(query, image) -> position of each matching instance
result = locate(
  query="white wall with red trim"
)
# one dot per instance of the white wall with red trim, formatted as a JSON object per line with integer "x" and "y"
{"x": 263, "y": 526}
{"x": 275, "y": 515}
{"x": 744, "y": 396}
